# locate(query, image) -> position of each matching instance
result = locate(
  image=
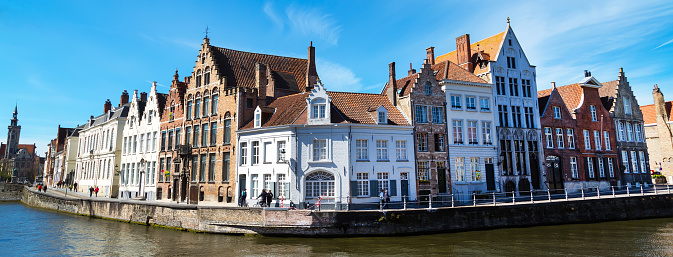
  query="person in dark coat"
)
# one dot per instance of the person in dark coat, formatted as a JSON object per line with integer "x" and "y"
{"x": 90, "y": 191}
{"x": 269, "y": 198}
{"x": 263, "y": 197}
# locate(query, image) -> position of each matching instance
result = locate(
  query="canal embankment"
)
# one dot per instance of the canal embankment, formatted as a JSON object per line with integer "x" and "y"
{"x": 283, "y": 222}
{"x": 10, "y": 192}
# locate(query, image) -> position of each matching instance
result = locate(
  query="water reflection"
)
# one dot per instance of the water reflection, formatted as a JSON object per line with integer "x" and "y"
{"x": 30, "y": 231}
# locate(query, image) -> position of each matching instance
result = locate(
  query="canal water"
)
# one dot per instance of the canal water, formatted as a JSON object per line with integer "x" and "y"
{"x": 37, "y": 232}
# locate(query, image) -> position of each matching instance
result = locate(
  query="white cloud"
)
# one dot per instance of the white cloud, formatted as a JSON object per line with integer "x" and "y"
{"x": 337, "y": 77}
{"x": 667, "y": 42}
{"x": 306, "y": 21}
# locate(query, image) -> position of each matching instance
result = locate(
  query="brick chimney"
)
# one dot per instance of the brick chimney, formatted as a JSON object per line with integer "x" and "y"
{"x": 143, "y": 97}
{"x": 464, "y": 53}
{"x": 391, "y": 92}
{"x": 261, "y": 79}
{"x": 107, "y": 106}
{"x": 430, "y": 51}
{"x": 124, "y": 98}
{"x": 311, "y": 73}
{"x": 411, "y": 70}
{"x": 659, "y": 103}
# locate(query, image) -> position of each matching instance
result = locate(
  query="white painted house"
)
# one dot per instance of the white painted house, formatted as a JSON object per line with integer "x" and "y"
{"x": 139, "y": 146}
{"x": 339, "y": 147}
{"x": 99, "y": 150}
{"x": 471, "y": 132}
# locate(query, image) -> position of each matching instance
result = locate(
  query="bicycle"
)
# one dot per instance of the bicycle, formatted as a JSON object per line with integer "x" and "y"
{"x": 260, "y": 204}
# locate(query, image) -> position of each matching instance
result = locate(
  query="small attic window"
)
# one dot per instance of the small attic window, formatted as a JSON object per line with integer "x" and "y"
{"x": 435, "y": 73}
{"x": 510, "y": 41}
{"x": 428, "y": 88}
{"x": 258, "y": 117}
{"x": 383, "y": 117}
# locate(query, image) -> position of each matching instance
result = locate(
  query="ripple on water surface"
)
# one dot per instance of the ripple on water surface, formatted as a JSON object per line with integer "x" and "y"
{"x": 31, "y": 231}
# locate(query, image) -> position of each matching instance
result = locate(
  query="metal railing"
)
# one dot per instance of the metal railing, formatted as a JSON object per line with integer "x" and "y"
{"x": 483, "y": 199}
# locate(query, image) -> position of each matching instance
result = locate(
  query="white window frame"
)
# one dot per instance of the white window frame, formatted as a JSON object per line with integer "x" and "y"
{"x": 625, "y": 161}
{"x": 573, "y": 167}
{"x": 639, "y": 136}
{"x": 362, "y": 179}
{"x": 471, "y": 100}
{"x": 437, "y": 115}
{"x": 629, "y": 132}
{"x": 587, "y": 140}
{"x": 557, "y": 112}
{"x": 627, "y": 105}
{"x": 460, "y": 168}
{"x": 606, "y": 136}
{"x": 590, "y": 167}
{"x": 597, "y": 140}
{"x": 622, "y": 134}
{"x": 594, "y": 117}
{"x": 381, "y": 150}
{"x": 472, "y": 132}
{"x": 244, "y": 153}
{"x": 487, "y": 137}
{"x": 549, "y": 138}
{"x": 457, "y": 129}
{"x": 319, "y": 149}
{"x": 281, "y": 151}
{"x": 571, "y": 138}
{"x": 474, "y": 169}
{"x": 559, "y": 138}
{"x": 383, "y": 181}
{"x": 634, "y": 161}
{"x": 611, "y": 168}
{"x": 401, "y": 150}
{"x": 485, "y": 104}
{"x": 601, "y": 167}
{"x": 361, "y": 150}
{"x": 643, "y": 167}
{"x": 456, "y": 102}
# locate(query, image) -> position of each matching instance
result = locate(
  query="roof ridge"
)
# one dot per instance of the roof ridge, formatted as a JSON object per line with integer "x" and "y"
{"x": 259, "y": 53}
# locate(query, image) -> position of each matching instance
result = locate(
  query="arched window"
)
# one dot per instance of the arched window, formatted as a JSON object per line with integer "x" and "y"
{"x": 198, "y": 78}
{"x": 206, "y": 77}
{"x": 319, "y": 183}
{"x": 213, "y": 107}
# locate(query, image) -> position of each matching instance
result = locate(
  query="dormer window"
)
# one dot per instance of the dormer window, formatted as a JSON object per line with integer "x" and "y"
{"x": 318, "y": 109}
{"x": 382, "y": 115}
{"x": 258, "y": 117}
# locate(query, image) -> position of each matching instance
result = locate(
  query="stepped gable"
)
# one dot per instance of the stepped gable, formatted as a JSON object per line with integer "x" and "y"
{"x": 161, "y": 102}
{"x": 239, "y": 68}
{"x": 650, "y": 114}
{"x": 488, "y": 48}
{"x": 451, "y": 71}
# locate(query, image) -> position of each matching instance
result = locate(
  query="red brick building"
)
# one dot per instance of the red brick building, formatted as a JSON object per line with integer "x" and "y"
{"x": 220, "y": 97}
{"x": 593, "y": 161}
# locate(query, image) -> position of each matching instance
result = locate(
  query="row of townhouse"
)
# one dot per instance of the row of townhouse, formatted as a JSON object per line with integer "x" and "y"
{"x": 465, "y": 123}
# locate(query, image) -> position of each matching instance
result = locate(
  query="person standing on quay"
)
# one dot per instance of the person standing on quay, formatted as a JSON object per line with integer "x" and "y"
{"x": 381, "y": 199}
{"x": 241, "y": 202}
{"x": 96, "y": 191}
{"x": 75, "y": 186}
{"x": 269, "y": 198}
{"x": 386, "y": 199}
{"x": 90, "y": 191}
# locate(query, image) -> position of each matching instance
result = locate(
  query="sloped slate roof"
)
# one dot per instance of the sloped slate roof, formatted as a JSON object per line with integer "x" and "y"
{"x": 571, "y": 94}
{"x": 239, "y": 67}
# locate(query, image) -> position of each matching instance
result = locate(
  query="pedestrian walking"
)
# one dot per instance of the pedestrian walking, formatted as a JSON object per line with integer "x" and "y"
{"x": 74, "y": 186}
{"x": 96, "y": 191}
{"x": 269, "y": 198}
{"x": 381, "y": 199}
{"x": 90, "y": 191}
{"x": 386, "y": 199}
{"x": 241, "y": 201}
{"x": 45, "y": 188}
{"x": 263, "y": 196}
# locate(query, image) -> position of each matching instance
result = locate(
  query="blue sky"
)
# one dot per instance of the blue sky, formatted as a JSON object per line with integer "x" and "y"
{"x": 60, "y": 60}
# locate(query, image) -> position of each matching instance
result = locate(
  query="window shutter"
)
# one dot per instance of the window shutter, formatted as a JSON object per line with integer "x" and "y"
{"x": 354, "y": 188}
{"x": 586, "y": 168}
{"x": 393, "y": 188}
{"x": 373, "y": 188}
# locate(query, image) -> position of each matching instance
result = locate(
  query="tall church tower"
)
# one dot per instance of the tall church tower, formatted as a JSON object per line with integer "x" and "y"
{"x": 13, "y": 133}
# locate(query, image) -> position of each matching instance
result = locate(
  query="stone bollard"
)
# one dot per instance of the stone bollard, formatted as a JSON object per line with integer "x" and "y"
{"x": 513, "y": 198}
{"x": 582, "y": 193}
{"x": 548, "y": 194}
{"x": 452, "y": 200}
{"x": 474, "y": 199}
{"x": 404, "y": 198}
{"x": 613, "y": 191}
{"x": 627, "y": 191}
{"x": 430, "y": 205}
{"x": 531, "y": 197}
{"x": 566, "y": 192}
{"x": 598, "y": 191}
{"x": 494, "y": 199}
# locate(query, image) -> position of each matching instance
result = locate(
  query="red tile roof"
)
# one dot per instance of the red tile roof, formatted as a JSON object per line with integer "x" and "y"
{"x": 571, "y": 94}
{"x": 489, "y": 46}
{"x": 650, "y": 114}
{"x": 239, "y": 66}
{"x": 451, "y": 71}
{"x": 346, "y": 108}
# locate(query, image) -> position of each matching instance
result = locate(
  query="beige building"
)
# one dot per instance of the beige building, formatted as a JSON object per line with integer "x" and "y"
{"x": 657, "y": 119}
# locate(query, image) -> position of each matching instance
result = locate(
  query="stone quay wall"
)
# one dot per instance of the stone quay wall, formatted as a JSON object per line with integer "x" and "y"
{"x": 281, "y": 222}
{"x": 10, "y": 192}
